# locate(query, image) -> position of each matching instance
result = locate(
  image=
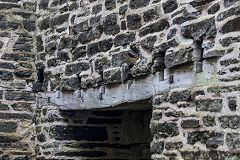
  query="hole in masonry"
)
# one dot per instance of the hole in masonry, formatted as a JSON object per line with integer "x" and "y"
{"x": 40, "y": 75}
{"x": 159, "y": 65}
{"x": 199, "y": 55}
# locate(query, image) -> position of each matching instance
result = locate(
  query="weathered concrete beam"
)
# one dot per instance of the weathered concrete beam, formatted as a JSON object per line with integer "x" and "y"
{"x": 131, "y": 91}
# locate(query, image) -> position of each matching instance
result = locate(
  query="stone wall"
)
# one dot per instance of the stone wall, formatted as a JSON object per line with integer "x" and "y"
{"x": 17, "y": 101}
{"x": 185, "y": 53}
{"x": 93, "y": 134}
{"x": 85, "y": 44}
{"x": 201, "y": 122}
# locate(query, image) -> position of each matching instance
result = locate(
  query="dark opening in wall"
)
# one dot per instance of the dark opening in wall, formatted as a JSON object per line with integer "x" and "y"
{"x": 38, "y": 86}
{"x": 199, "y": 55}
{"x": 40, "y": 74}
{"x": 121, "y": 132}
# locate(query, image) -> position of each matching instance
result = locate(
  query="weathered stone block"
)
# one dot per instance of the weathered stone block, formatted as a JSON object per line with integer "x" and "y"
{"x": 233, "y": 141}
{"x": 183, "y": 95}
{"x": 9, "y": 139}
{"x": 119, "y": 59}
{"x": 173, "y": 145}
{"x": 9, "y": 127}
{"x": 174, "y": 114}
{"x": 110, "y": 25}
{"x": 15, "y": 116}
{"x": 232, "y": 104}
{"x": 59, "y": 20}
{"x": 110, "y": 4}
{"x": 211, "y": 139}
{"x": 197, "y": 3}
{"x": 77, "y": 68}
{"x": 155, "y": 27}
{"x": 165, "y": 130}
{"x": 70, "y": 84}
{"x": 97, "y": 8}
{"x": 81, "y": 27}
{"x": 214, "y": 8}
{"x": 170, "y": 6}
{"x": 209, "y": 121}
{"x": 101, "y": 46}
{"x": 6, "y": 75}
{"x": 230, "y": 121}
{"x": 228, "y": 3}
{"x": 231, "y": 26}
{"x": 202, "y": 30}
{"x": 101, "y": 64}
{"x": 190, "y": 123}
{"x": 212, "y": 105}
{"x": 175, "y": 58}
{"x": 43, "y": 24}
{"x": 157, "y": 147}
{"x": 150, "y": 15}
{"x": 135, "y": 4}
{"x": 79, "y": 52}
{"x": 17, "y": 95}
{"x": 134, "y": 21}
{"x": 113, "y": 75}
{"x": 148, "y": 43}
{"x": 23, "y": 73}
{"x": 124, "y": 39}
{"x": 43, "y": 4}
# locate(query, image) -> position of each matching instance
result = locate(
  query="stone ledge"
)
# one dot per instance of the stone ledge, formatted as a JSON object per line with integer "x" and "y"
{"x": 131, "y": 91}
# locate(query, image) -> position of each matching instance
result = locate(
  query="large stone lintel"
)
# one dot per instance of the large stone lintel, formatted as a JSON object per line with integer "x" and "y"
{"x": 131, "y": 91}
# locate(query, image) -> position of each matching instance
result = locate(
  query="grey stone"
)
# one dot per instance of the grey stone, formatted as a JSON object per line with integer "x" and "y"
{"x": 124, "y": 39}
{"x": 176, "y": 96}
{"x": 197, "y": 3}
{"x": 123, "y": 9}
{"x": 110, "y": 4}
{"x": 77, "y": 68}
{"x": 231, "y": 121}
{"x": 232, "y": 104}
{"x": 231, "y": 26}
{"x": 214, "y": 8}
{"x": 209, "y": 121}
{"x": 228, "y": 3}
{"x": 113, "y": 75}
{"x": 167, "y": 130}
{"x": 148, "y": 43}
{"x": 191, "y": 123}
{"x": 101, "y": 46}
{"x": 157, "y": 147}
{"x": 150, "y": 15}
{"x": 170, "y": 6}
{"x": 206, "y": 137}
{"x": 154, "y": 27}
{"x": 175, "y": 58}
{"x": 173, "y": 145}
{"x": 101, "y": 64}
{"x": 59, "y": 20}
{"x": 110, "y": 25}
{"x": 233, "y": 141}
{"x": 135, "y": 4}
{"x": 212, "y": 105}
{"x": 134, "y": 21}
{"x": 202, "y": 30}
{"x": 97, "y": 8}
{"x": 70, "y": 84}
{"x": 6, "y": 75}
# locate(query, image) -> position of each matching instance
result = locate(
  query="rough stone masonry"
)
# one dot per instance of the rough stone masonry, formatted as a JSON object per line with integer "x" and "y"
{"x": 59, "y": 56}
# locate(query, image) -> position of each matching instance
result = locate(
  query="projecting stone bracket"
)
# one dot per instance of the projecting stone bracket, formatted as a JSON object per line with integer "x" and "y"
{"x": 132, "y": 90}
